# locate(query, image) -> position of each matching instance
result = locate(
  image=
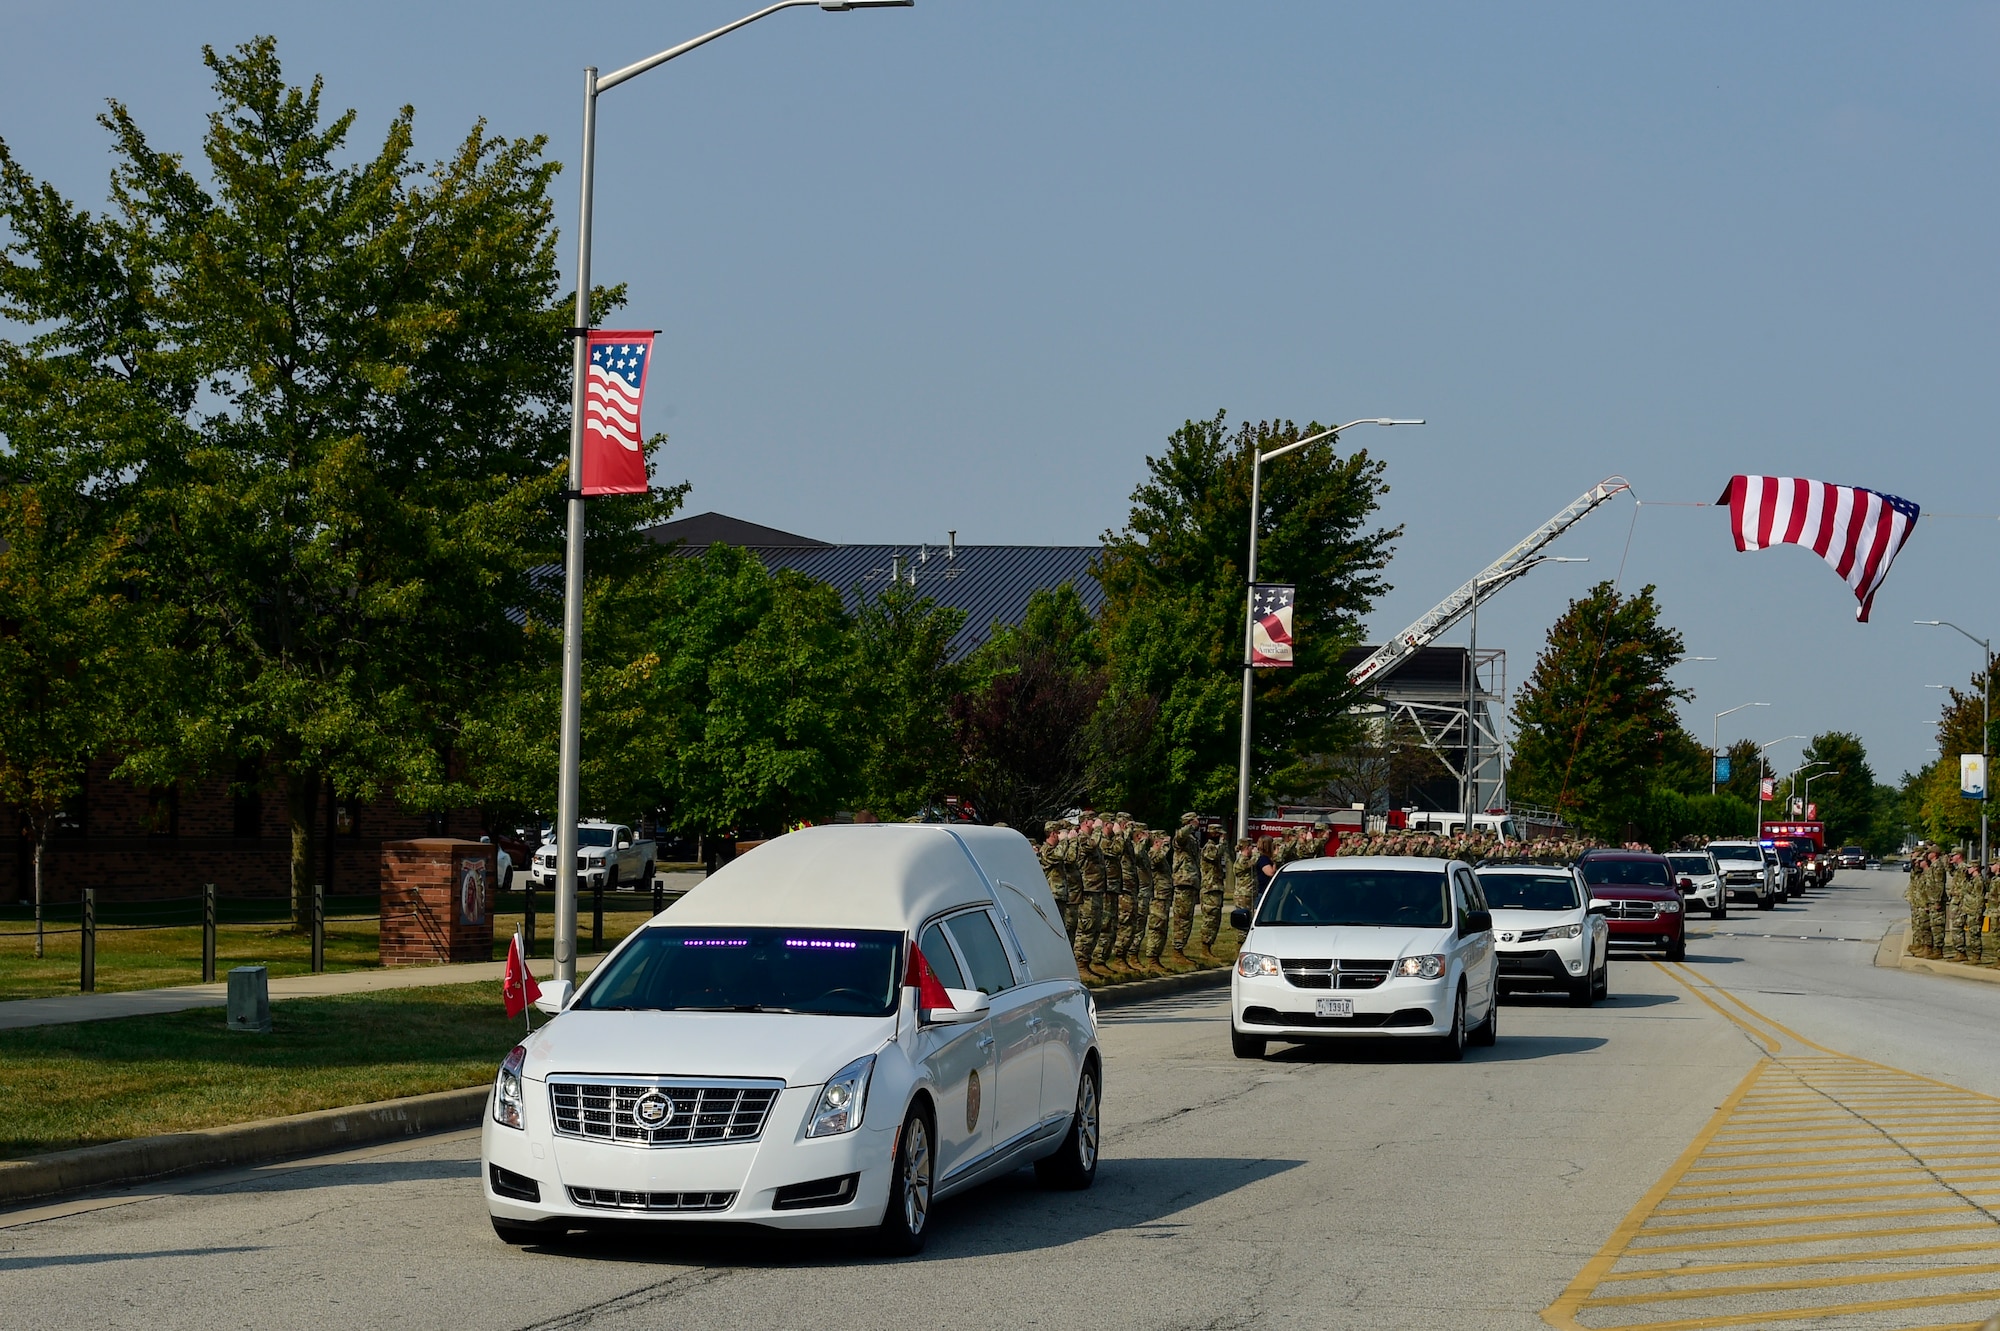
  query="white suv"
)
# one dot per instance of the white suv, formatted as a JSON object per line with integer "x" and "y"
{"x": 1546, "y": 932}
{"x": 1746, "y": 873}
{"x": 1704, "y": 881}
{"x": 1369, "y": 946}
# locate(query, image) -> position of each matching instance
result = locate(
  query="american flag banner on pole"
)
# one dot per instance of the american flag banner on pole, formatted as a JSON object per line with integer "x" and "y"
{"x": 1271, "y": 623}
{"x": 1856, "y": 531}
{"x": 614, "y": 458}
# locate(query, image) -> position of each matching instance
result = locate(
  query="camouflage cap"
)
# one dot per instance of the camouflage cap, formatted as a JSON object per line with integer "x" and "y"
{"x": 1190, "y": 817}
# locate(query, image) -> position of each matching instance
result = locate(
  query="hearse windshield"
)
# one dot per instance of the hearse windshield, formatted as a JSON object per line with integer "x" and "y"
{"x": 826, "y": 972}
{"x": 1529, "y": 891}
{"x": 1407, "y": 898}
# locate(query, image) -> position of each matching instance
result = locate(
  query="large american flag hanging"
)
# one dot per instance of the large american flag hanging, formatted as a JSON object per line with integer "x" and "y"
{"x": 1271, "y": 623}
{"x": 1856, "y": 531}
{"x": 614, "y": 456}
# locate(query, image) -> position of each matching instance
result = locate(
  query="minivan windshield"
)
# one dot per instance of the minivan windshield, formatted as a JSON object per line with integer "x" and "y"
{"x": 1755, "y": 853}
{"x": 1407, "y": 898}
{"x": 827, "y": 972}
{"x": 1529, "y": 891}
{"x": 1626, "y": 873}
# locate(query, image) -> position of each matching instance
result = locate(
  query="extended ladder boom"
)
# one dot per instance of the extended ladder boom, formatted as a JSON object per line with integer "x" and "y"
{"x": 1495, "y": 576}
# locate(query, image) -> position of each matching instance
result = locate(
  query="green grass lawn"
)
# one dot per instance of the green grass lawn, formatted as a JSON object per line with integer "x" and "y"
{"x": 152, "y": 958}
{"x": 100, "y": 1081}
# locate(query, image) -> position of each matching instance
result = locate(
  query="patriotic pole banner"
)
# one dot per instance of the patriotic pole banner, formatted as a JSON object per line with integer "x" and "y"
{"x": 1857, "y": 531}
{"x": 1271, "y": 623}
{"x": 614, "y": 458}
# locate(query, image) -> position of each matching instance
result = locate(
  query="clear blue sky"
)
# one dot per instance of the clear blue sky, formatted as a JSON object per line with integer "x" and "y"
{"x": 963, "y": 266}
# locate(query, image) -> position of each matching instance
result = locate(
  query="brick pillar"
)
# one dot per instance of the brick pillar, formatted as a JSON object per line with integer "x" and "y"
{"x": 437, "y": 901}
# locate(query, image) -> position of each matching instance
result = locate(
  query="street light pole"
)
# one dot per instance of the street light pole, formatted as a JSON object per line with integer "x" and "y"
{"x": 1715, "y": 740}
{"x": 1758, "y": 833}
{"x": 1257, "y": 461}
{"x": 569, "y": 797}
{"x": 1985, "y": 722}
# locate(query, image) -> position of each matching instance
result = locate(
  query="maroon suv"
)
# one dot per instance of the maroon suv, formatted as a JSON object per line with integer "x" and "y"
{"x": 1641, "y": 899}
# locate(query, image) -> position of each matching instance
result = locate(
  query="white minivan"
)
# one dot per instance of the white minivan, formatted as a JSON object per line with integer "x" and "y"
{"x": 832, "y": 1031}
{"x": 1371, "y": 946}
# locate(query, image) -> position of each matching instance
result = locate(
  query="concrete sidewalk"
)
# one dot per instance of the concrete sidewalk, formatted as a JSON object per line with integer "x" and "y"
{"x": 64, "y": 1009}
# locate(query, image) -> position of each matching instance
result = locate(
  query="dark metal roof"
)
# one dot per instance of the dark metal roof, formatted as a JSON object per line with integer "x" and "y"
{"x": 990, "y": 583}
{"x": 705, "y": 529}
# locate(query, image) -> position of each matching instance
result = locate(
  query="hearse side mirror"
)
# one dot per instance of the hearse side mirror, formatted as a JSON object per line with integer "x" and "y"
{"x": 966, "y": 1005}
{"x": 1239, "y": 919}
{"x": 555, "y": 997}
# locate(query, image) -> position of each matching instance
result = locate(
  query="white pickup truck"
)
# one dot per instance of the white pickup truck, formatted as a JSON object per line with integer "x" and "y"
{"x": 607, "y": 855}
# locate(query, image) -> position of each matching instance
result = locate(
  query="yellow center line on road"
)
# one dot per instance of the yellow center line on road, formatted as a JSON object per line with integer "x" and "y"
{"x": 1811, "y": 1139}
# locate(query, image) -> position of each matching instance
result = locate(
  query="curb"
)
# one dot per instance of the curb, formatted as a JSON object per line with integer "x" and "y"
{"x": 1138, "y": 991}
{"x": 143, "y": 1159}
{"x": 121, "y": 1164}
{"x": 1891, "y": 953}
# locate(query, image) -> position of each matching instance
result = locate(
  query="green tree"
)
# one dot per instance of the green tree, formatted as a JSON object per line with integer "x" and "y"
{"x": 904, "y": 681}
{"x": 1743, "y": 772}
{"x": 1173, "y": 625}
{"x": 1843, "y": 790}
{"x": 354, "y": 392}
{"x": 1596, "y": 722}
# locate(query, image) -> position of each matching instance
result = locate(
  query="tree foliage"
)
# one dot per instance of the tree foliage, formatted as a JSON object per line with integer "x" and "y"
{"x": 1597, "y": 725}
{"x": 1173, "y": 630}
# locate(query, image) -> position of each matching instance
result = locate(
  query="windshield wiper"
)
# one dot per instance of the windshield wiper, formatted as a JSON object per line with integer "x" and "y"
{"x": 730, "y": 1007}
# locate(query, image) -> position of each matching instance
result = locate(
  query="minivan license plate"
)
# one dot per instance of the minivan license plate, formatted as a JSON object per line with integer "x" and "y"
{"x": 1334, "y": 1007}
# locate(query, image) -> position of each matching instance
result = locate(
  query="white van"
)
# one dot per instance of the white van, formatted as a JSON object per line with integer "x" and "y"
{"x": 832, "y": 1031}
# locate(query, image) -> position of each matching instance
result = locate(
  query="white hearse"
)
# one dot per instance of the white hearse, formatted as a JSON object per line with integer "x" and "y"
{"x": 830, "y": 1032}
{"x": 1366, "y": 946}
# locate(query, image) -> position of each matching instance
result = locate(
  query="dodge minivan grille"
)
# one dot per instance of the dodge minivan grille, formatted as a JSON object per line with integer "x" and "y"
{"x": 689, "y": 1112}
{"x": 1334, "y": 973}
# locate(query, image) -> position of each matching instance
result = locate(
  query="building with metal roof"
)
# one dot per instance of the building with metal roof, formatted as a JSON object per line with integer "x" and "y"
{"x": 992, "y": 584}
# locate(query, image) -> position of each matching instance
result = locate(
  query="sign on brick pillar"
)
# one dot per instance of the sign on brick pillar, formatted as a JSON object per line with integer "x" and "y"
{"x": 437, "y": 901}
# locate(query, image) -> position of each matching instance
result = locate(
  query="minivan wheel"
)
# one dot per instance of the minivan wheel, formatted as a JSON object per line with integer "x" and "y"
{"x": 1488, "y": 1031}
{"x": 906, "y": 1220}
{"x": 1074, "y": 1165}
{"x": 1451, "y": 1046}
{"x": 1245, "y": 1046}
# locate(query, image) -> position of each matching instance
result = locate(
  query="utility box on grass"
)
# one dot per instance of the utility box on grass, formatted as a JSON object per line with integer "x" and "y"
{"x": 250, "y": 999}
{"x": 437, "y": 901}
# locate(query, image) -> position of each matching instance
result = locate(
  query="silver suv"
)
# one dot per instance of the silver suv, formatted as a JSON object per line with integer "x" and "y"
{"x": 1746, "y": 872}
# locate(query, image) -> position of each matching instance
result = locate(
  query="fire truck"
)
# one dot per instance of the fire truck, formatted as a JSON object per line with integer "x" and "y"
{"x": 1808, "y": 842}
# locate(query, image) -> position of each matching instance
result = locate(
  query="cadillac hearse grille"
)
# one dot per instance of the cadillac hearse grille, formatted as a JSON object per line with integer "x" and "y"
{"x": 660, "y": 1111}
{"x": 608, "y": 1199}
{"x": 1335, "y": 973}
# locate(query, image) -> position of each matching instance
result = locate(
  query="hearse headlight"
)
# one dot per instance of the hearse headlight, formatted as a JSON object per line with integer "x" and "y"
{"x": 1253, "y": 964}
{"x": 842, "y": 1100}
{"x": 507, "y": 1088}
{"x": 1427, "y": 967}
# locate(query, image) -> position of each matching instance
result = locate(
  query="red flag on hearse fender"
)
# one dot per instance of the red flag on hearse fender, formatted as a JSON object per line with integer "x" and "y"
{"x": 518, "y": 985}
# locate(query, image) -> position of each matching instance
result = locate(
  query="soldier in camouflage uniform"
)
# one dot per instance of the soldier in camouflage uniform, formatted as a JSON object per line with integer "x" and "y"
{"x": 1090, "y": 908}
{"x": 1919, "y": 941}
{"x": 1245, "y": 867}
{"x": 1186, "y": 878}
{"x": 1050, "y": 853}
{"x": 1989, "y": 917}
{"x": 1113, "y": 843}
{"x": 1139, "y": 878}
{"x": 1933, "y": 894}
{"x": 1159, "y": 914}
{"x": 1954, "y": 898}
{"x": 1072, "y": 872}
{"x": 1214, "y": 868}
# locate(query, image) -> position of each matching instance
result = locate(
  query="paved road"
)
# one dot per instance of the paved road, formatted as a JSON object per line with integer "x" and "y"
{"x": 1573, "y": 1168}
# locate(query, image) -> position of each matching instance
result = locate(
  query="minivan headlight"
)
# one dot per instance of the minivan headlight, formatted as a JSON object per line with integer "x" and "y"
{"x": 507, "y": 1088}
{"x": 1252, "y": 964}
{"x": 1427, "y": 967}
{"x": 842, "y": 1100}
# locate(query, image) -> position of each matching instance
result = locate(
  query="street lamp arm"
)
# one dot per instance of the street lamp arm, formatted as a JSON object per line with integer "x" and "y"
{"x": 1947, "y": 624}
{"x": 1328, "y": 434}
{"x": 612, "y": 80}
